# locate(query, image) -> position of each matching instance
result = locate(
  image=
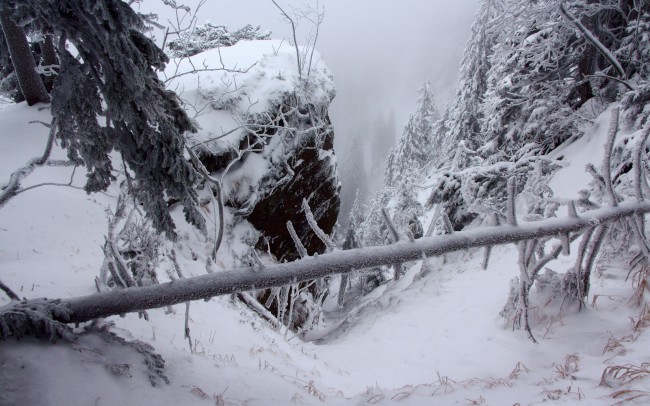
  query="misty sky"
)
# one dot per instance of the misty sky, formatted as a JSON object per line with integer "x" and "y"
{"x": 379, "y": 51}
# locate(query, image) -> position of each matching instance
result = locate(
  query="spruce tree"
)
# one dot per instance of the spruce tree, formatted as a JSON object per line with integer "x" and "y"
{"x": 463, "y": 119}
{"x": 417, "y": 144}
{"x": 113, "y": 76}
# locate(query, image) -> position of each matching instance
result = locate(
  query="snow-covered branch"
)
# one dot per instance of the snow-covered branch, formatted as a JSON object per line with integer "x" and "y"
{"x": 246, "y": 279}
{"x": 599, "y": 45}
{"x": 13, "y": 186}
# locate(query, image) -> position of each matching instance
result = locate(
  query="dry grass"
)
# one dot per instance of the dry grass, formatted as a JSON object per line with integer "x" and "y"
{"x": 629, "y": 395}
{"x": 476, "y": 402}
{"x": 519, "y": 368}
{"x": 556, "y": 394}
{"x": 619, "y": 375}
{"x": 643, "y": 320}
{"x": 568, "y": 367}
{"x": 640, "y": 281}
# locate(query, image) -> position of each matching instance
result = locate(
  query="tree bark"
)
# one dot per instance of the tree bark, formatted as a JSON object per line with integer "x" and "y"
{"x": 49, "y": 59}
{"x": 29, "y": 80}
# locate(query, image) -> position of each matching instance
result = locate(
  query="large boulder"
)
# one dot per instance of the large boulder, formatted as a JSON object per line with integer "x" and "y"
{"x": 265, "y": 131}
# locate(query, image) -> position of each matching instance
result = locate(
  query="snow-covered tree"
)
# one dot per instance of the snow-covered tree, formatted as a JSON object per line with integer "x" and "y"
{"x": 462, "y": 121}
{"x": 417, "y": 143}
{"x": 355, "y": 218}
{"x": 112, "y": 75}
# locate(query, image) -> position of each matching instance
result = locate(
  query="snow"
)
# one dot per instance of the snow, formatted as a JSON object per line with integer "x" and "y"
{"x": 438, "y": 339}
{"x": 247, "y": 79}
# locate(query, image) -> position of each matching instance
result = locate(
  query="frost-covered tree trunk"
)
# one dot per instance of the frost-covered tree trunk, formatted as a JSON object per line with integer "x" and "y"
{"x": 29, "y": 80}
{"x": 80, "y": 309}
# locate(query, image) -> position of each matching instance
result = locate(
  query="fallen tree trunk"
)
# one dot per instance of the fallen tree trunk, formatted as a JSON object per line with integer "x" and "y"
{"x": 133, "y": 299}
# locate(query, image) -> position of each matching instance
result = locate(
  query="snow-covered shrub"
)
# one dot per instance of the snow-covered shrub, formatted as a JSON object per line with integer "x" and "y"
{"x": 209, "y": 36}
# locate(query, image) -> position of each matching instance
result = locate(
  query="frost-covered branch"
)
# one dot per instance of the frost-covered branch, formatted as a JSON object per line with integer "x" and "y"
{"x": 607, "y": 159}
{"x": 599, "y": 45}
{"x": 314, "y": 226}
{"x": 295, "y": 39}
{"x": 247, "y": 279}
{"x": 217, "y": 187}
{"x": 7, "y": 290}
{"x": 12, "y": 187}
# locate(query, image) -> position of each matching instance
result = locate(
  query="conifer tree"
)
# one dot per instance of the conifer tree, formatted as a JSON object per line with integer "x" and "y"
{"x": 463, "y": 119}
{"x": 355, "y": 218}
{"x": 113, "y": 75}
{"x": 417, "y": 143}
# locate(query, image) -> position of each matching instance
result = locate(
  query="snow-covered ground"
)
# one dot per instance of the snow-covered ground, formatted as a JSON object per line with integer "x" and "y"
{"x": 435, "y": 340}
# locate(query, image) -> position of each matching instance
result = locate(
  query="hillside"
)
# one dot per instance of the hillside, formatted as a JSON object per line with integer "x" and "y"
{"x": 548, "y": 131}
{"x": 439, "y": 336}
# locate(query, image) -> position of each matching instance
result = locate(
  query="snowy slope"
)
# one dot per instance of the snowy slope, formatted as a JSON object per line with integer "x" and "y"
{"x": 436, "y": 340}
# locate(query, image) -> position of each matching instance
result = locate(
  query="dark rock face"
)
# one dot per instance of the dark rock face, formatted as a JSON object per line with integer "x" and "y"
{"x": 303, "y": 166}
{"x": 316, "y": 180}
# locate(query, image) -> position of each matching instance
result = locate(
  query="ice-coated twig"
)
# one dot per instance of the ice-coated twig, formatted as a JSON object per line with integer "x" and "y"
{"x": 9, "y": 190}
{"x": 396, "y": 237}
{"x": 257, "y": 259}
{"x": 512, "y": 190}
{"x": 343, "y": 287}
{"x": 488, "y": 248}
{"x": 390, "y": 224}
{"x": 607, "y": 159}
{"x": 434, "y": 220}
{"x": 7, "y": 290}
{"x": 582, "y": 249}
{"x": 295, "y": 40}
{"x": 259, "y": 309}
{"x": 565, "y": 239}
{"x": 594, "y": 248}
{"x": 317, "y": 230}
{"x": 217, "y": 194}
{"x": 639, "y": 152}
{"x": 302, "y": 251}
{"x": 571, "y": 205}
{"x": 187, "y": 326}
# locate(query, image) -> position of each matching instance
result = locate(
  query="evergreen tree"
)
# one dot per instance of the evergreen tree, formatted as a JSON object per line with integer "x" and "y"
{"x": 408, "y": 210}
{"x": 463, "y": 119}
{"x": 545, "y": 69}
{"x": 113, "y": 75}
{"x": 417, "y": 144}
{"x": 374, "y": 230}
{"x": 355, "y": 219}
{"x": 355, "y": 180}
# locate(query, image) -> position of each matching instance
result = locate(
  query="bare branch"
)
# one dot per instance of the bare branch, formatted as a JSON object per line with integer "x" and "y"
{"x": 295, "y": 39}
{"x": 11, "y": 188}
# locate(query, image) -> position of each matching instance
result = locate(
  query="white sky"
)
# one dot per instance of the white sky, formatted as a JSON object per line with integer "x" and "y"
{"x": 379, "y": 51}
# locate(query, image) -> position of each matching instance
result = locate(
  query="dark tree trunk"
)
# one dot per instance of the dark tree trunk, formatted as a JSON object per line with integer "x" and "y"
{"x": 49, "y": 58}
{"x": 30, "y": 81}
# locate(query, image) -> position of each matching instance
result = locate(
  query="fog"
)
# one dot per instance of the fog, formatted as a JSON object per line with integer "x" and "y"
{"x": 379, "y": 52}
